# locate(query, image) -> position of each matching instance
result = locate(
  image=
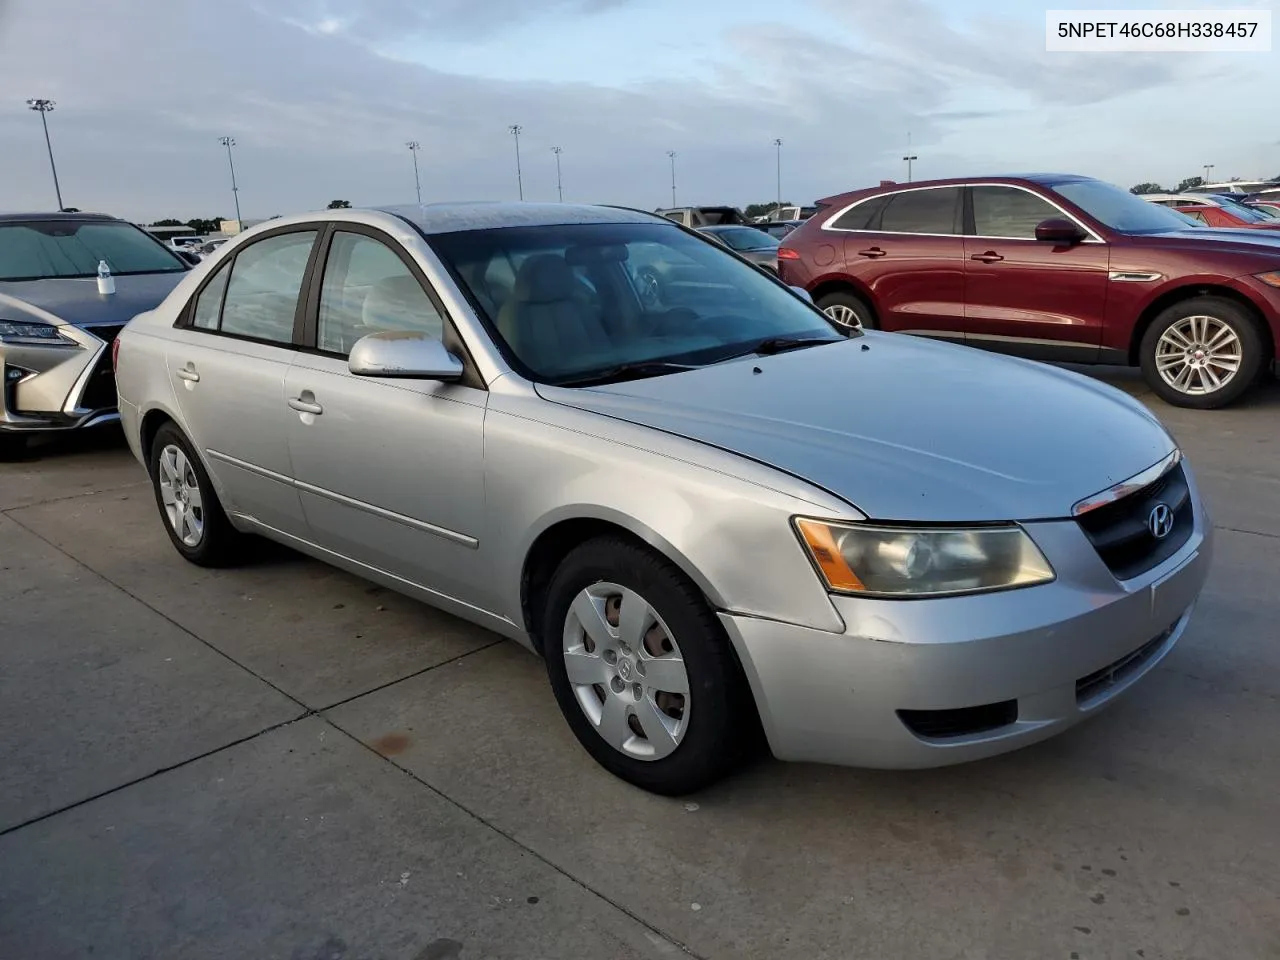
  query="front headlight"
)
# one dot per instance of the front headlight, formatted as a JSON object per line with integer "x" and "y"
{"x": 1271, "y": 279}
{"x": 876, "y": 561}
{"x": 14, "y": 331}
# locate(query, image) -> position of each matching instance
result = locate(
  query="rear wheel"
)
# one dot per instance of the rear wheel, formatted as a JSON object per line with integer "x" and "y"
{"x": 642, "y": 669}
{"x": 848, "y": 310}
{"x": 1202, "y": 353}
{"x": 193, "y": 517}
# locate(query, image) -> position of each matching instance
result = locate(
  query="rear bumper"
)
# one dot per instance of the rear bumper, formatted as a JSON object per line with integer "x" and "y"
{"x": 59, "y": 387}
{"x": 935, "y": 682}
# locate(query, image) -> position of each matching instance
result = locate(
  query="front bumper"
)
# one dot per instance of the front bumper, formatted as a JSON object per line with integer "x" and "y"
{"x": 61, "y": 386}
{"x": 1022, "y": 665}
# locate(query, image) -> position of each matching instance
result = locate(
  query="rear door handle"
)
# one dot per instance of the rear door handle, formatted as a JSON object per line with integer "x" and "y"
{"x": 872, "y": 252}
{"x": 189, "y": 374}
{"x": 306, "y": 404}
{"x": 989, "y": 257}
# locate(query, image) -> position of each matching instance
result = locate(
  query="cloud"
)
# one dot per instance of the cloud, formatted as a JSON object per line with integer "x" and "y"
{"x": 398, "y": 20}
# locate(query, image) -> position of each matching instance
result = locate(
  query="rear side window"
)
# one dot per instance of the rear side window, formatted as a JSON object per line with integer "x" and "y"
{"x": 262, "y": 294}
{"x": 209, "y": 303}
{"x": 922, "y": 211}
{"x": 864, "y": 216}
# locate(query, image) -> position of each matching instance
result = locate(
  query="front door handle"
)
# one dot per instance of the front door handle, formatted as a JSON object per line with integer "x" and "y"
{"x": 189, "y": 374}
{"x": 306, "y": 403}
{"x": 989, "y": 257}
{"x": 872, "y": 252}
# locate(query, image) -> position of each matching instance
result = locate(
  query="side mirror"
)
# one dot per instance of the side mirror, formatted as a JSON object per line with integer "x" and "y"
{"x": 1058, "y": 230}
{"x": 406, "y": 354}
{"x": 802, "y": 293}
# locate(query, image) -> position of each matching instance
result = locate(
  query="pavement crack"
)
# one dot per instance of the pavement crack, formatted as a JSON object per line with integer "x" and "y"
{"x": 7, "y": 511}
{"x": 550, "y": 864}
{"x": 1252, "y": 533}
{"x": 496, "y": 641}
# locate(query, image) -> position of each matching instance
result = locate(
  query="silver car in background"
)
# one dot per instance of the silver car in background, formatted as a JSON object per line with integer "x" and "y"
{"x": 712, "y": 513}
{"x": 56, "y": 329}
{"x": 751, "y": 243}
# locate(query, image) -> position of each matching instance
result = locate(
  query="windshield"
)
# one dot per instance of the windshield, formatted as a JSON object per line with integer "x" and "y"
{"x": 572, "y": 301}
{"x": 1119, "y": 209}
{"x": 50, "y": 249}
{"x": 745, "y": 238}
{"x": 1271, "y": 213}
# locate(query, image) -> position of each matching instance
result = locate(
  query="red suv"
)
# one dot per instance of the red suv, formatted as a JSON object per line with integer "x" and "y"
{"x": 1051, "y": 267}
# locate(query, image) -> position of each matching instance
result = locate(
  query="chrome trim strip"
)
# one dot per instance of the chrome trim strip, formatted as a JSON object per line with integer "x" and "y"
{"x": 452, "y": 535}
{"x": 250, "y": 467}
{"x": 1121, "y": 490}
{"x": 1133, "y": 276}
{"x": 1092, "y": 238}
{"x": 385, "y": 514}
{"x": 72, "y": 406}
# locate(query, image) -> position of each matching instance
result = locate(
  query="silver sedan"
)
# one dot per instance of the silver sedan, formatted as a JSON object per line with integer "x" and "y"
{"x": 715, "y": 515}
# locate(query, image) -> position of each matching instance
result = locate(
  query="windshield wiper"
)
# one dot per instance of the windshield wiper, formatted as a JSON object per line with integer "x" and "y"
{"x": 771, "y": 345}
{"x": 638, "y": 370}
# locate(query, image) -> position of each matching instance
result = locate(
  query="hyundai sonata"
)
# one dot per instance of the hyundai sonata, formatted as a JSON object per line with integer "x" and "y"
{"x": 710, "y": 509}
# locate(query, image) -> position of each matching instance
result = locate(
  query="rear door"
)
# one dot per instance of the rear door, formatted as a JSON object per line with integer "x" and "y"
{"x": 228, "y": 374}
{"x": 907, "y": 251}
{"x": 1024, "y": 296}
{"x": 390, "y": 471}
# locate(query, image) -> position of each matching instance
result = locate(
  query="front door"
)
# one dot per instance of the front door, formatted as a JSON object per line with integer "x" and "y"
{"x": 1028, "y": 297}
{"x": 910, "y": 256}
{"x": 230, "y": 382}
{"x": 390, "y": 471}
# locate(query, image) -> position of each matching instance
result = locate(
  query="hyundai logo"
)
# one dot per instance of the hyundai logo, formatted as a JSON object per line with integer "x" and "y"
{"x": 1160, "y": 521}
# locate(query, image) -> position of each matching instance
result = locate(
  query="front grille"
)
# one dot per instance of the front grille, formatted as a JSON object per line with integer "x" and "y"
{"x": 942, "y": 724}
{"x": 1121, "y": 531}
{"x": 100, "y": 389}
{"x": 1113, "y": 674}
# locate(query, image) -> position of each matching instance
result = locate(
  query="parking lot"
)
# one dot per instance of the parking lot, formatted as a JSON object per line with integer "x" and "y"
{"x": 284, "y": 761}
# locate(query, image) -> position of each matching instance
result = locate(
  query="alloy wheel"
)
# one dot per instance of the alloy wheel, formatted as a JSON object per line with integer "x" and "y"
{"x": 844, "y": 315}
{"x": 1198, "y": 355}
{"x": 626, "y": 671}
{"x": 180, "y": 495}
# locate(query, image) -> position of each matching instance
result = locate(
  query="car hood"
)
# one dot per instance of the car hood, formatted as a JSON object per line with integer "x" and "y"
{"x": 1212, "y": 238}
{"x": 77, "y": 301}
{"x": 905, "y": 429}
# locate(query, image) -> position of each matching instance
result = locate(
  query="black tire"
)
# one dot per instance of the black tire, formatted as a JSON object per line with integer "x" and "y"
{"x": 1252, "y": 360}
{"x": 723, "y": 725}
{"x": 220, "y": 544}
{"x": 851, "y": 301}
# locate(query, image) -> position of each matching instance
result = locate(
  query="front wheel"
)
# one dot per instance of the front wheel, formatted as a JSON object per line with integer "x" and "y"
{"x": 1202, "y": 353}
{"x": 642, "y": 669}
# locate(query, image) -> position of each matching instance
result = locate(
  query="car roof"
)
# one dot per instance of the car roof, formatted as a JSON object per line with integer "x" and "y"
{"x": 10, "y": 217}
{"x": 433, "y": 218}
{"x": 1042, "y": 179}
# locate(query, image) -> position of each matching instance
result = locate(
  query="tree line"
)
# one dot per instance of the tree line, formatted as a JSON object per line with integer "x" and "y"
{"x": 1190, "y": 183}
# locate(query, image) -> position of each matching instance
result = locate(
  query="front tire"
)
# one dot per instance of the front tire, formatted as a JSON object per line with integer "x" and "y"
{"x": 1202, "y": 353}
{"x": 642, "y": 669}
{"x": 193, "y": 517}
{"x": 848, "y": 310}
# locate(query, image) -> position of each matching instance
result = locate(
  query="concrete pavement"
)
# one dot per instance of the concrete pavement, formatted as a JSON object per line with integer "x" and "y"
{"x": 284, "y": 761}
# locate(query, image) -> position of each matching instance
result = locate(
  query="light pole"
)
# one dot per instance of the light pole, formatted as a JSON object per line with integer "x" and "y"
{"x": 559, "y": 186}
{"x": 43, "y": 107}
{"x": 672, "y": 155}
{"x": 909, "y": 157}
{"x": 514, "y": 130}
{"x": 413, "y": 146}
{"x": 230, "y": 142}
{"x": 778, "y": 144}
{"x": 1208, "y": 168}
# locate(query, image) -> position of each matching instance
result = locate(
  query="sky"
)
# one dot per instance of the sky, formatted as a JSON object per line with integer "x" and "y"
{"x": 321, "y": 97}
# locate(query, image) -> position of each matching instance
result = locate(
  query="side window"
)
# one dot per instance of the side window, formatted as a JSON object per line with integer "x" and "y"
{"x": 209, "y": 303}
{"x": 1196, "y": 215}
{"x": 922, "y": 211}
{"x": 1009, "y": 212}
{"x": 862, "y": 217}
{"x": 262, "y": 294}
{"x": 368, "y": 289}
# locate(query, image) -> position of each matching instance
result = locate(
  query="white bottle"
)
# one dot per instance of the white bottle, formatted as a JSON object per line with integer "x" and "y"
{"x": 106, "y": 282}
